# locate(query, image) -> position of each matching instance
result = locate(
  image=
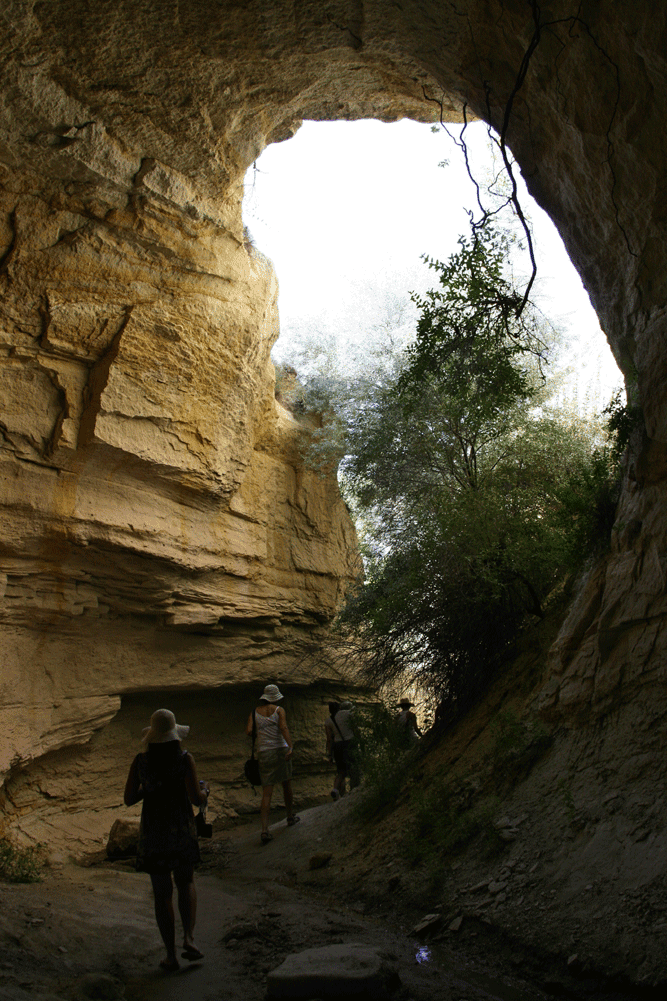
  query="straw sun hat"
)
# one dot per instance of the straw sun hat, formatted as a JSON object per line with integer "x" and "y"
{"x": 163, "y": 728}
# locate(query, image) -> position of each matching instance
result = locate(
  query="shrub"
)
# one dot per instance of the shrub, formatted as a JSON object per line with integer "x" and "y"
{"x": 20, "y": 864}
{"x": 381, "y": 760}
{"x": 447, "y": 819}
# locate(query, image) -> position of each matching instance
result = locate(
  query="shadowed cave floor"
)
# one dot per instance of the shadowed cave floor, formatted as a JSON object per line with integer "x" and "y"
{"x": 89, "y": 932}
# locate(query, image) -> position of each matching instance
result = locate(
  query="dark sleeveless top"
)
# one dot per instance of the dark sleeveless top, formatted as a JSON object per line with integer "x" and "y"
{"x": 167, "y": 834}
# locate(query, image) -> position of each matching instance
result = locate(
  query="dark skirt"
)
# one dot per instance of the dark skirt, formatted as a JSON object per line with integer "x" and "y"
{"x": 167, "y": 833}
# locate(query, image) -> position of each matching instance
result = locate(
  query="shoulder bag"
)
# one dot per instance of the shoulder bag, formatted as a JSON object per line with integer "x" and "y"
{"x": 251, "y": 767}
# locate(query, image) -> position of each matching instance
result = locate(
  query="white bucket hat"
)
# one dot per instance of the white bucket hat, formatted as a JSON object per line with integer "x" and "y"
{"x": 271, "y": 693}
{"x": 163, "y": 728}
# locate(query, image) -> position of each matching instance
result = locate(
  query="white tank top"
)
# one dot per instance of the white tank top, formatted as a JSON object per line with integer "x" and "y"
{"x": 269, "y": 737}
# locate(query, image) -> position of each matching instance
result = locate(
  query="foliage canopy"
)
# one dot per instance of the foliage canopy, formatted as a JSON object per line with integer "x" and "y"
{"x": 475, "y": 495}
{"x": 476, "y": 325}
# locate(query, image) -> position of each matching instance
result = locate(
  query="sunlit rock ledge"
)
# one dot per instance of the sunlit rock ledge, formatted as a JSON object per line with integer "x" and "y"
{"x": 113, "y": 583}
{"x": 159, "y": 529}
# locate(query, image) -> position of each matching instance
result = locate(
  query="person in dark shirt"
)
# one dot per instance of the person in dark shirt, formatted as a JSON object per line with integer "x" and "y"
{"x": 164, "y": 777}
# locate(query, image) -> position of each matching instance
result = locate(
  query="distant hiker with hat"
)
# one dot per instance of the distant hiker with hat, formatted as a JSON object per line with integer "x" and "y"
{"x": 274, "y": 753}
{"x": 165, "y": 778}
{"x": 407, "y": 721}
{"x": 340, "y": 737}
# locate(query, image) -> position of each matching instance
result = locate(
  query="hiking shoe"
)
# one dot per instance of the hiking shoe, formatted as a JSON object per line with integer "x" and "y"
{"x": 335, "y": 795}
{"x": 291, "y": 821}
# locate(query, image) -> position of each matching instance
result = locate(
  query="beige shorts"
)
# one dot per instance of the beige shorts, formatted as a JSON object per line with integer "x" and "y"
{"x": 273, "y": 768}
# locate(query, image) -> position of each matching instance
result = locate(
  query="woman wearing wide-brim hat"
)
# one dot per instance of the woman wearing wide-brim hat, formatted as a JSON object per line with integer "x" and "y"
{"x": 165, "y": 778}
{"x": 274, "y": 753}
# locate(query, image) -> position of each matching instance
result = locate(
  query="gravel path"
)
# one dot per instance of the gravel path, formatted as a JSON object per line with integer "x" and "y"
{"x": 90, "y": 932}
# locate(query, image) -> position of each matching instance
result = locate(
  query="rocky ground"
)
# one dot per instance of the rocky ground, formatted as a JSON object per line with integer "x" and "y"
{"x": 87, "y": 930}
{"x": 560, "y": 891}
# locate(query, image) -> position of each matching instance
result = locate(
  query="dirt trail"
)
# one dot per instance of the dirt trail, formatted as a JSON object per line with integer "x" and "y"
{"x": 83, "y": 930}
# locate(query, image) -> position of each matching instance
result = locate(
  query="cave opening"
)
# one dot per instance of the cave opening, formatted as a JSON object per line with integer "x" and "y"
{"x": 346, "y": 211}
{"x": 389, "y": 186}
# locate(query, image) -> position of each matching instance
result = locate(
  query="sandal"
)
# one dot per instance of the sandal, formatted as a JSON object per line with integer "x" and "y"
{"x": 191, "y": 953}
{"x": 266, "y": 837}
{"x": 291, "y": 821}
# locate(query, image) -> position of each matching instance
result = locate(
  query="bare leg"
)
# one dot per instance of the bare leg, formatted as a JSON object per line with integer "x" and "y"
{"x": 164, "y": 914}
{"x": 184, "y": 878}
{"x": 267, "y": 793}
{"x": 289, "y": 798}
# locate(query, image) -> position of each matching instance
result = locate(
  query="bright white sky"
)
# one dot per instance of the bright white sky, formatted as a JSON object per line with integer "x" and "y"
{"x": 346, "y": 209}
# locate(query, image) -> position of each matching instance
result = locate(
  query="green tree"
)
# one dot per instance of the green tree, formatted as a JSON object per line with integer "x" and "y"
{"x": 464, "y": 549}
{"x": 476, "y": 325}
{"x": 338, "y": 376}
{"x": 480, "y": 497}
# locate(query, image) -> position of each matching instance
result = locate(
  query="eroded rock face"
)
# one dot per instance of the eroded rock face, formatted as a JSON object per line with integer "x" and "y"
{"x": 159, "y": 530}
{"x": 70, "y": 798}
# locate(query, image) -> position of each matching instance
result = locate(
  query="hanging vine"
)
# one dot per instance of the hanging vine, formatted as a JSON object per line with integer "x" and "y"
{"x": 499, "y": 140}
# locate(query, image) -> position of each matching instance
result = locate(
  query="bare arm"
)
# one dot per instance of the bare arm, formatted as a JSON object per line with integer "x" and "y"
{"x": 248, "y": 728}
{"x": 196, "y": 794}
{"x": 282, "y": 723}
{"x": 133, "y": 791}
{"x": 330, "y": 739}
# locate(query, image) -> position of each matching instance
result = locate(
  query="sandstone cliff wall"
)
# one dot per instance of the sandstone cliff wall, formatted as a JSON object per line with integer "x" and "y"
{"x": 158, "y": 529}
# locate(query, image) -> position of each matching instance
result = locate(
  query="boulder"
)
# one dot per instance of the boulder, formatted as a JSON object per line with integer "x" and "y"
{"x": 351, "y": 970}
{"x": 319, "y": 860}
{"x": 123, "y": 839}
{"x": 427, "y": 924}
